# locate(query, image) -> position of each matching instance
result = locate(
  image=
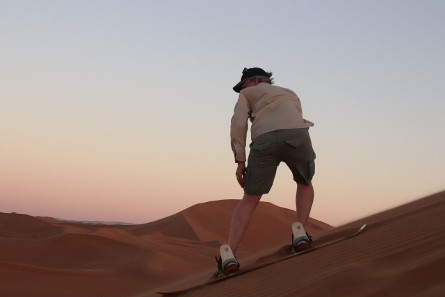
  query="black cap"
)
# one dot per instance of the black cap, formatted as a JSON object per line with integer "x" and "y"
{"x": 247, "y": 73}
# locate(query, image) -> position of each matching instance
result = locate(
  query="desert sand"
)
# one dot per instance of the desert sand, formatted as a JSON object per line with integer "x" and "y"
{"x": 400, "y": 253}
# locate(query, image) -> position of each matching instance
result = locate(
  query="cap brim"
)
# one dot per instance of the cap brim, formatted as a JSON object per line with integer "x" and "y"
{"x": 237, "y": 88}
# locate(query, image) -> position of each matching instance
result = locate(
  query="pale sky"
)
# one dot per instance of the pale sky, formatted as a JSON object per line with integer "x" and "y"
{"x": 120, "y": 110}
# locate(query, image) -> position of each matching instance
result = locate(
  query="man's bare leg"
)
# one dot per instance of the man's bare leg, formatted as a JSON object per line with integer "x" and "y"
{"x": 241, "y": 219}
{"x": 304, "y": 199}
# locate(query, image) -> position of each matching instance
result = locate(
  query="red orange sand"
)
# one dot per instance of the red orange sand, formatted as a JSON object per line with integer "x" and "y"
{"x": 402, "y": 253}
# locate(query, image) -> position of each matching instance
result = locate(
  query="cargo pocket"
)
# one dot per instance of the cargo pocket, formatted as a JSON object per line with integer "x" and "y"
{"x": 260, "y": 146}
{"x": 295, "y": 142}
{"x": 311, "y": 171}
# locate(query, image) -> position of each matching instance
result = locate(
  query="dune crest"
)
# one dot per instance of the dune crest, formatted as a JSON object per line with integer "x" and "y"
{"x": 270, "y": 225}
{"x": 123, "y": 259}
{"x": 402, "y": 253}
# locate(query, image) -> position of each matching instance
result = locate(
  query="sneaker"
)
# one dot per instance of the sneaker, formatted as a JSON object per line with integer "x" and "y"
{"x": 228, "y": 267}
{"x": 227, "y": 262}
{"x": 300, "y": 239}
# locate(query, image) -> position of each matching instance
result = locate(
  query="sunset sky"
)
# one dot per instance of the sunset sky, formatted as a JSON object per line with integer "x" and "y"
{"x": 120, "y": 110}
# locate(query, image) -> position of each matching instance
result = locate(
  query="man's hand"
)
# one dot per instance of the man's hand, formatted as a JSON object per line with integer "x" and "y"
{"x": 240, "y": 173}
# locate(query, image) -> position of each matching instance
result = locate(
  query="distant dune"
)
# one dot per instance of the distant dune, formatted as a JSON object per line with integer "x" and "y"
{"x": 402, "y": 253}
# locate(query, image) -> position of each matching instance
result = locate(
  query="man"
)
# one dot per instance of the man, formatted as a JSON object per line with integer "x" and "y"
{"x": 279, "y": 134}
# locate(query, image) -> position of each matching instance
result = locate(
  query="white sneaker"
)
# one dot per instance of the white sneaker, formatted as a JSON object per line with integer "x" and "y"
{"x": 300, "y": 239}
{"x": 227, "y": 262}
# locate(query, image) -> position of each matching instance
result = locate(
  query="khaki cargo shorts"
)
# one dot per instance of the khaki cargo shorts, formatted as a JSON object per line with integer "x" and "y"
{"x": 267, "y": 151}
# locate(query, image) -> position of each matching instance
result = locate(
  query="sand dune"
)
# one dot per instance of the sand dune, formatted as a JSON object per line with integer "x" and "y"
{"x": 58, "y": 258}
{"x": 401, "y": 253}
{"x": 270, "y": 225}
{"x": 25, "y": 227}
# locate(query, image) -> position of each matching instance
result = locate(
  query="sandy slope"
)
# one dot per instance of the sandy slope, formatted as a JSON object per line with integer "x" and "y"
{"x": 47, "y": 257}
{"x": 402, "y": 253}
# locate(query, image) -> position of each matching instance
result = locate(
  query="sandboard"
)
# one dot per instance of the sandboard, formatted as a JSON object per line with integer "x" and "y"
{"x": 256, "y": 266}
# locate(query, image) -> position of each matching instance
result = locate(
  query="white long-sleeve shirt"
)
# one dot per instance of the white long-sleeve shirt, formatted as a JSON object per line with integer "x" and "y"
{"x": 269, "y": 108}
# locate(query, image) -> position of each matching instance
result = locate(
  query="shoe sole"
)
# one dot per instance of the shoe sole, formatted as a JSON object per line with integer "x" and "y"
{"x": 231, "y": 270}
{"x": 301, "y": 246}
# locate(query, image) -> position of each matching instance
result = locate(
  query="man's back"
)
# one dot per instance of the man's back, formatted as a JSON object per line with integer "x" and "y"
{"x": 272, "y": 108}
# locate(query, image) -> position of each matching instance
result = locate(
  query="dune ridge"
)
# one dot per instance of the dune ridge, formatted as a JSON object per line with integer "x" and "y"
{"x": 401, "y": 253}
{"x": 63, "y": 258}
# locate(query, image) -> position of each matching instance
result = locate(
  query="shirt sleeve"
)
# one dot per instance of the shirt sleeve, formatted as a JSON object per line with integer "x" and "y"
{"x": 238, "y": 128}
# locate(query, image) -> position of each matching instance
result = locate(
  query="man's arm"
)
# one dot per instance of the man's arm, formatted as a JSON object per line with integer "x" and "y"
{"x": 238, "y": 128}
